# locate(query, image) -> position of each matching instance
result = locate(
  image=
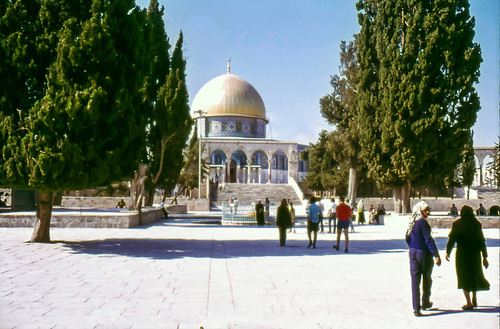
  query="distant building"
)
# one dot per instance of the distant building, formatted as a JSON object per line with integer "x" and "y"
{"x": 232, "y": 123}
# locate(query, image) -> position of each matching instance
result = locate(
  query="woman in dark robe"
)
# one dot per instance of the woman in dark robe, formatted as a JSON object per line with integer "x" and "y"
{"x": 259, "y": 211}
{"x": 467, "y": 233}
{"x": 283, "y": 220}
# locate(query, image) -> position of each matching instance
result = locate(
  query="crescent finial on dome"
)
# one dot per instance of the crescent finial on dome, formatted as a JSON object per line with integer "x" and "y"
{"x": 228, "y": 65}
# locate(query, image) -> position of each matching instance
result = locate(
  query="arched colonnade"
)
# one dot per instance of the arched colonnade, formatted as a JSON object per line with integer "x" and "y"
{"x": 484, "y": 175}
{"x": 248, "y": 168}
{"x": 250, "y": 162}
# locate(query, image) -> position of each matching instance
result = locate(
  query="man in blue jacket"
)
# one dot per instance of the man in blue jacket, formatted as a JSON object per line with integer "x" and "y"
{"x": 422, "y": 250}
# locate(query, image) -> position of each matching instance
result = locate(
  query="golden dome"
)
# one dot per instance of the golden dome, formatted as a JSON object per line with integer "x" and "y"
{"x": 229, "y": 95}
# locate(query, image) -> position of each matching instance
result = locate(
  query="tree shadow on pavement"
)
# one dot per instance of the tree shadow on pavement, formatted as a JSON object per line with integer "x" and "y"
{"x": 172, "y": 248}
{"x": 202, "y": 248}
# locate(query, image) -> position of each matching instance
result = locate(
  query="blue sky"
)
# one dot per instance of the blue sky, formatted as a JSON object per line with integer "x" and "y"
{"x": 289, "y": 49}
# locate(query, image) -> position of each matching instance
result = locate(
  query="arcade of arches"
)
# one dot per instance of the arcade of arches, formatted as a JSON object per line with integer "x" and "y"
{"x": 253, "y": 161}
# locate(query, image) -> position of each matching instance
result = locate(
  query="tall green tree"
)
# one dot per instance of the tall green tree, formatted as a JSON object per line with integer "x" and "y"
{"x": 159, "y": 52}
{"x": 174, "y": 123}
{"x": 324, "y": 172}
{"x": 418, "y": 65}
{"x": 188, "y": 178}
{"x": 84, "y": 125}
{"x": 341, "y": 110}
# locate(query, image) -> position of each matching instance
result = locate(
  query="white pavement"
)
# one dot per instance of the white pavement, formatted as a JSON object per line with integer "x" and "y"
{"x": 179, "y": 274}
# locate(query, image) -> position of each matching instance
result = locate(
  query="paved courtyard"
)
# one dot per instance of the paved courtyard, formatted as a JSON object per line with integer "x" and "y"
{"x": 183, "y": 274}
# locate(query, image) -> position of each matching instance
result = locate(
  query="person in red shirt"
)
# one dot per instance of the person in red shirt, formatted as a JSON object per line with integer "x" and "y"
{"x": 343, "y": 216}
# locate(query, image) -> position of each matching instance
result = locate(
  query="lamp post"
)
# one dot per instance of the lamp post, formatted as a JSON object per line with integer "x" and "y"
{"x": 200, "y": 114}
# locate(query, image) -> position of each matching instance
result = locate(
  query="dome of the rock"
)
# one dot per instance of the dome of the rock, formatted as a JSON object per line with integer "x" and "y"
{"x": 229, "y": 95}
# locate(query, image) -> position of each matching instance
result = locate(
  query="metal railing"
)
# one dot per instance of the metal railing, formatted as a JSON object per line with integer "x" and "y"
{"x": 244, "y": 213}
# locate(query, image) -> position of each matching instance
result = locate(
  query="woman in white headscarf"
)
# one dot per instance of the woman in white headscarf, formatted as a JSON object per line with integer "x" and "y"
{"x": 422, "y": 249}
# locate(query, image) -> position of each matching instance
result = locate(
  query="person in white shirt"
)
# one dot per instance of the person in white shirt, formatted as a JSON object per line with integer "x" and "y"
{"x": 332, "y": 216}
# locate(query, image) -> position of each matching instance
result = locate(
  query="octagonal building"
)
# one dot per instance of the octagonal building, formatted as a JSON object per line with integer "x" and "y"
{"x": 232, "y": 124}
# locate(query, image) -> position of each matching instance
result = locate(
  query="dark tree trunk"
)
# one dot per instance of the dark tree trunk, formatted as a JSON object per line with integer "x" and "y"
{"x": 41, "y": 233}
{"x": 401, "y": 196}
{"x": 150, "y": 197}
{"x": 57, "y": 198}
{"x": 353, "y": 180}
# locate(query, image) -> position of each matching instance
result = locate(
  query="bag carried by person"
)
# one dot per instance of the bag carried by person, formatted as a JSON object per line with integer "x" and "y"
{"x": 408, "y": 231}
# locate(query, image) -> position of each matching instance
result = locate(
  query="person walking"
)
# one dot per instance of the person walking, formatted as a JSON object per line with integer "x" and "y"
{"x": 352, "y": 218}
{"x": 293, "y": 218}
{"x": 259, "y": 213}
{"x": 332, "y": 216}
{"x": 422, "y": 249}
{"x": 283, "y": 221}
{"x": 344, "y": 214}
{"x": 361, "y": 212}
{"x": 322, "y": 206}
{"x": 467, "y": 233}
{"x": 313, "y": 217}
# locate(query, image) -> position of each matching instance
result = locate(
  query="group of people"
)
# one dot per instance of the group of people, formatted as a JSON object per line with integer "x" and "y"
{"x": 471, "y": 255}
{"x": 376, "y": 213}
{"x": 466, "y": 233}
{"x": 262, "y": 209}
{"x": 285, "y": 219}
{"x": 481, "y": 211}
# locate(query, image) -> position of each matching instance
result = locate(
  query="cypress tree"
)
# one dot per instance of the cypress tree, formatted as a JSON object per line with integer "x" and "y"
{"x": 417, "y": 68}
{"x": 85, "y": 125}
{"x": 340, "y": 109}
{"x": 159, "y": 47}
{"x": 175, "y": 123}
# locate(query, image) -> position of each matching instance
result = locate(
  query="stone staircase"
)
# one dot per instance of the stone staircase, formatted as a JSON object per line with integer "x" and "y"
{"x": 249, "y": 193}
{"x": 308, "y": 193}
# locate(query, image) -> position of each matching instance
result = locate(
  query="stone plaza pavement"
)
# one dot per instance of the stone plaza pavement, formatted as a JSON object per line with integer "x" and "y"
{"x": 185, "y": 274}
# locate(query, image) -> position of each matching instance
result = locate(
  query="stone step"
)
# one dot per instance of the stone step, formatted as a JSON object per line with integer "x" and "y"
{"x": 248, "y": 193}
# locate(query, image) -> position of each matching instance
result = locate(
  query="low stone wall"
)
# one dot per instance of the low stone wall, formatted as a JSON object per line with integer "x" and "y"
{"x": 177, "y": 209}
{"x": 110, "y": 202}
{"x": 434, "y": 204}
{"x": 89, "y": 219}
{"x": 439, "y": 221}
{"x": 96, "y": 202}
{"x": 447, "y": 221}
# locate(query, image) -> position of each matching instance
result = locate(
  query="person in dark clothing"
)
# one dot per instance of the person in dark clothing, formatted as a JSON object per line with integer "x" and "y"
{"x": 259, "y": 212}
{"x": 422, "y": 249}
{"x": 481, "y": 211}
{"x": 453, "y": 210}
{"x": 120, "y": 204}
{"x": 467, "y": 233}
{"x": 283, "y": 220}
